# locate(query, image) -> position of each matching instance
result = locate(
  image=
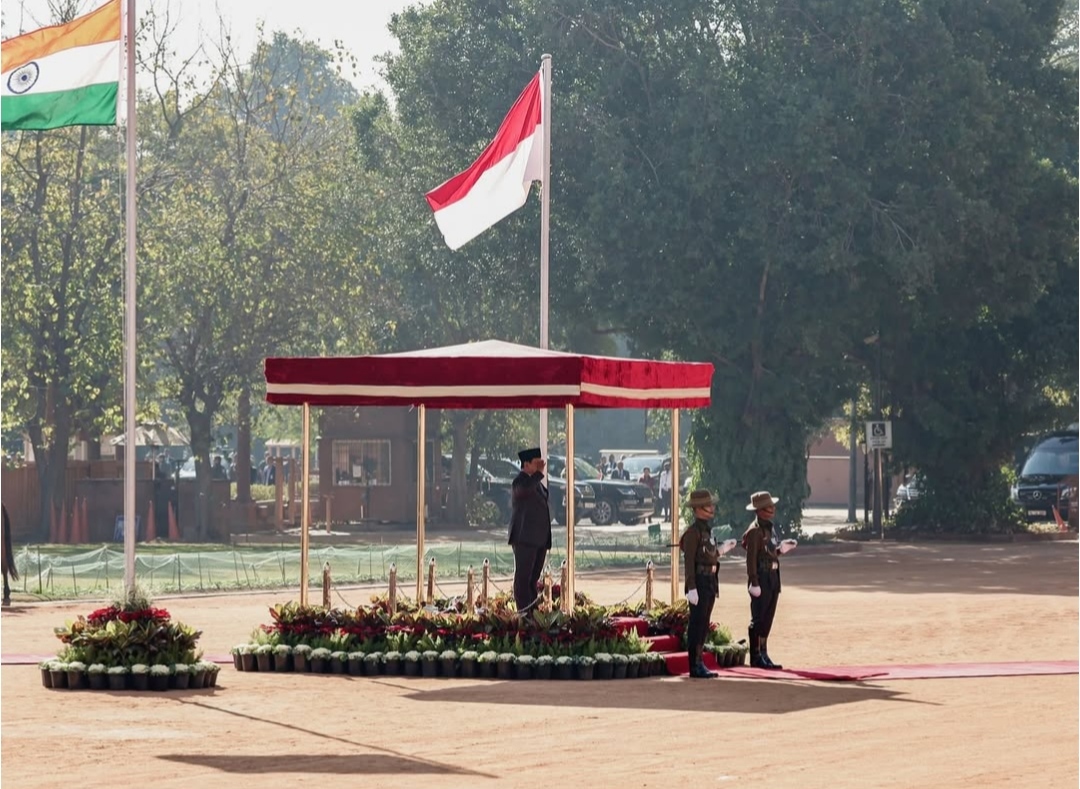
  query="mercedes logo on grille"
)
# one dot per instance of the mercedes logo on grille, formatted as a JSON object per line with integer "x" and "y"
{"x": 1037, "y": 494}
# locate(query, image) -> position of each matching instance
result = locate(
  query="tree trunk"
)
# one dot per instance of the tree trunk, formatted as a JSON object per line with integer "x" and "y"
{"x": 243, "y": 445}
{"x": 459, "y": 426}
{"x": 200, "y": 448}
{"x": 51, "y": 461}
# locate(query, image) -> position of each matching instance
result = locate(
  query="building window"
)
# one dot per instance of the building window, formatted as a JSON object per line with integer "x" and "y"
{"x": 362, "y": 462}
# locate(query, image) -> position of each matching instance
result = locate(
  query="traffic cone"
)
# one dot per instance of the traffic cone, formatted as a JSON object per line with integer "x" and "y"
{"x": 151, "y": 526}
{"x": 174, "y": 529}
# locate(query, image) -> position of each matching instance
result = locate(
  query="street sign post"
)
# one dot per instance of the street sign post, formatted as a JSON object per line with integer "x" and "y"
{"x": 879, "y": 435}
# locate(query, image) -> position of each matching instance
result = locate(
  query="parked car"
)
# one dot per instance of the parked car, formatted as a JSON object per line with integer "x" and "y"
{"x": 497, "y": 479}
{"x": 616, "y": 500}
{"x": 1050, "y": 466}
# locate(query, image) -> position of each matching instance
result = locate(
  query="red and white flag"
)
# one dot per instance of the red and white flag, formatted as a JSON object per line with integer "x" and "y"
{"x": 498, "y": 183}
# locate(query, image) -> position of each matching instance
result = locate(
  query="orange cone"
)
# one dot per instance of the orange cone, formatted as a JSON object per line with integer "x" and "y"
{"x": 151, "y": 526}
{"x": 174, "y": 529}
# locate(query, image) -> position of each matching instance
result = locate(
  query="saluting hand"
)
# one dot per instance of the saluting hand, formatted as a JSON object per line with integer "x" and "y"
{"x": 788, "y": 545}
{"x": 725, "y": 546}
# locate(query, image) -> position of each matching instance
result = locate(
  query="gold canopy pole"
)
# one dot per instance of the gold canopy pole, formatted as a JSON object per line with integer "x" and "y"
{"x": 674, "y": 504}
{"x": 421, "y": 457}
{"x": 305, "y": 511}
{"x": 567, "y": 594}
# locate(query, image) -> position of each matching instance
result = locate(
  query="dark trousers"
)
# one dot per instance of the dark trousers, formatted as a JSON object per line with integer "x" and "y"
{"x": 528, "y": 565}
{"x": 763, "y": 608}
{"x": 697, "y": 629}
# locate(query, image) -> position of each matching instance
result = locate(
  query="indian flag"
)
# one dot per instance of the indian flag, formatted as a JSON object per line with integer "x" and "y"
{"x": 63, "y": 75}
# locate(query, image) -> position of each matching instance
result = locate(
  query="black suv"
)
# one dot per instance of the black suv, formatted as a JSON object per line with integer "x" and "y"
{"x": 616, "y": 500}
{"x": 497, "y": 479}
{"x": 1046, "y": 471}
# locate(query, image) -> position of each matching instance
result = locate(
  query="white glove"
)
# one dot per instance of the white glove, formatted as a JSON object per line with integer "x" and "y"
{"x": 788, "y": 545}
{"x": 755, "y": 591}
{"x": 692, "y": 597}
{"x": 725, "y": 546}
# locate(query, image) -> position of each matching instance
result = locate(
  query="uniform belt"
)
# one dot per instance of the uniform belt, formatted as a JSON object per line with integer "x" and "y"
{"x": 707, "y": 569}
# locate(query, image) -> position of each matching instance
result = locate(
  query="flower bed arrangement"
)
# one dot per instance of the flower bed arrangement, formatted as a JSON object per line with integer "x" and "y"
{"x": 129, "y": 645}
{"x": 444, "y": 640}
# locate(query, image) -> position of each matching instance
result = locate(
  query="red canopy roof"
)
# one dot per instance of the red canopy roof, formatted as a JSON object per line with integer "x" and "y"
{"x": 489, "y": 374}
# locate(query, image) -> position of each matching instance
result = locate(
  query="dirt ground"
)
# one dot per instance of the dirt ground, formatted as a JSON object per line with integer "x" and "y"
{"x": 898, "y": 604}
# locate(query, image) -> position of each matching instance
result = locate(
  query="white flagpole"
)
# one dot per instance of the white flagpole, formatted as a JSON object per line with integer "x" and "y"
{"x": 545, "y": 214}
{"x": 129, "y": 312}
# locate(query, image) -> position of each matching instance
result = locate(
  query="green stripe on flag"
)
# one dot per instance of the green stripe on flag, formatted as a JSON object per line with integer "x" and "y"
{"x": 93, "y": 105}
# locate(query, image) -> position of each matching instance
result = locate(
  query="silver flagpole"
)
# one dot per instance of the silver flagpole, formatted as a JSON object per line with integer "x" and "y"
{"x": 545, "y": 215}
{"x": 129, "y": 313}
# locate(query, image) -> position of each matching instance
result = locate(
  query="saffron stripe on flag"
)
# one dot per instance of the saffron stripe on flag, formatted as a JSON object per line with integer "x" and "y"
{"x": 70, "y": 69}
{"x": 100, "y": 25}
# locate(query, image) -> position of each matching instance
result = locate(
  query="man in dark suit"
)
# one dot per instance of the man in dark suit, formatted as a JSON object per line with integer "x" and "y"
{"x": 530, "y": 527}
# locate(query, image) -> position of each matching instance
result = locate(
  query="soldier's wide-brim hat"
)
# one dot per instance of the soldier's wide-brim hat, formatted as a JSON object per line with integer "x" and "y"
{"x": 526, "y": 455}
{"x": 702, "y": 498}
{"x": 761, "y": 500}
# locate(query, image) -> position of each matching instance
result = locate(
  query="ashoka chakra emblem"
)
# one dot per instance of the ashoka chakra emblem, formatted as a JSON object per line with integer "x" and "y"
{"x": 23, "y": 78}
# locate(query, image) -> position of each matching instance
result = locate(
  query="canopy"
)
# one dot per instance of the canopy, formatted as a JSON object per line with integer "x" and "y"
{"x": 488, "y": 374}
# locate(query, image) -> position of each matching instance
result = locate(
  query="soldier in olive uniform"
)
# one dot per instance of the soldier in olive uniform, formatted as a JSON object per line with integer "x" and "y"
{"x": 763, "y": 575}
{"x": 701, "y": 555}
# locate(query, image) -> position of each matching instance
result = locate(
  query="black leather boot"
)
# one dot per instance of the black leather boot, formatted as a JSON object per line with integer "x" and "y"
{"x": 765, "y": 659}
{"x": 698, "y": 670}
{"x": 755, "y": 651}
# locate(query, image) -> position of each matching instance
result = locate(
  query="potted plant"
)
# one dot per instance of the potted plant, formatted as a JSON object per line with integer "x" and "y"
{"x": 544, "y": 666}
{"x": 604, "y": 667}
{"x": 659, "y": 664}
{"x": 198, "y": 675}
{"x": 282, "y": 657}
{"x": 523, "y": 667}
{"x": 356, "y": 663}
{"x": 429, "y": 663}
{"x": 504, "y": 665}
{"x": 140, "y": 676}
{"x": 373, "y": 663}
{"x": 339, "y": 662}
{"x": 181, "y": 676}
{"x": 583, "y": 667}
{"x": 264, "y": 657}
{"x": 449, "y": 659}
{"x": 468, "y": 663}
{"x": 57, "y": 674}
{"x": 633, "y": 665}
{"x": 619, "y": 664}
{"x": 247, "y": 657}
{"x": 564, "y": 667}
{"x": 238, "y": 664}
{"x": 212, "y": 671}
{"x": 118, "y": 677}
{"x": 320, "y": 660}
{"x": 46, "y": 676}
{"x": 96, "y": 676}
{"x": 411, "y": 663}
{"x": 392, "y": 662}
{"x": 76, "y": 675}
{"x": 301, "y": 654}
{"x": 485, "y": 663}
{"x": 159, "y": 676}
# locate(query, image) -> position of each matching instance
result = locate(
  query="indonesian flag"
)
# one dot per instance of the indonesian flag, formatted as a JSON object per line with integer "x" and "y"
{"x": 63, "y": 75}
{"x": 498, "y": 183}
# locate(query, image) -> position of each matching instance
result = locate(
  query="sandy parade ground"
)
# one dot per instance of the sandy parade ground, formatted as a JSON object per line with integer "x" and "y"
{"x": 925, "y": 603}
